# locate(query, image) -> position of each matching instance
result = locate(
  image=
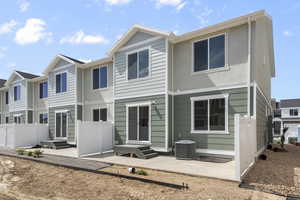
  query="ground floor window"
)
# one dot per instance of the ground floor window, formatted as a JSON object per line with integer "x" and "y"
{"x": 138, "y": 122}
{"x": 43, "y": 118}
{"x": 209, "y": 114}
{"x": 6, "y": 120}
{"x": 100, "y": 114}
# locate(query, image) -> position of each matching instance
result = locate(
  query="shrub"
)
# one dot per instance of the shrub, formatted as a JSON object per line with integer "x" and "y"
{"x": 141, "y": 172}
{"x": 29, "y": 153}
{"x": 20, "y": 151}
{"x": 37, "y": 153}
{"x": 292, "y": 140}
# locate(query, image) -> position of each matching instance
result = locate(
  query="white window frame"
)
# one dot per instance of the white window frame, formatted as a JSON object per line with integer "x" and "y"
{"x": 18, "y": 85}
{"x": 67, "y": 133}
{"x": 66, "y": 82}
{"x": 47, "y": 90}
{"x": 210, "y": 97}
{"x": 149, "y": 63}
{"x": 47, "y": 119}
{"x": 92, "y": 78}
{"x": 98, "y": 108}
{"x": 224, "y": 68}
{"x": 127, "y": 121}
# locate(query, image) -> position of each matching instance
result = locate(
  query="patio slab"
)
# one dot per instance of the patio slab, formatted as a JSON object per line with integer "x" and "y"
{"x": 68, "y": 152}
{"x": 224, "y": 171}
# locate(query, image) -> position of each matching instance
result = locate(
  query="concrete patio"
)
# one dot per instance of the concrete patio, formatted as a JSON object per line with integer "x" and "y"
{"x": 169, "y": 163}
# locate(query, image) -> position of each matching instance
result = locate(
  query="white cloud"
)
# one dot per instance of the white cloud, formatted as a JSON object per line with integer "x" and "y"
{"x": 204, "y": 15}
{"x": 81, "y": 38}
{"x": 23, "y": 5}
{"x": 7, "y": 27}
{"x": 33, "y": 31}
{"x": 288, "y": 33}
{"x": 117, "y": 2}
{"x": 178, "y": 4}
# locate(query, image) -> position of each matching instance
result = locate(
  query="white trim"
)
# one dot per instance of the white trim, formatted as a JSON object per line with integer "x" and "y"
{"x": 92, "y": 78}
{"x": 222, "y": 68}
{"x": 193, "y": 91}
{"x": 167, "y": 96}
{"x": 142, "y": 95}
{"x": 137, "y": 51}
{"x": 97, "y": 102}
{"x": 67, "y": 123}
{"x": 140, "y": 43}
{"x": 148, "y": 103}
{"x": 210, "y": 97}
{"x": 214, "y": 151}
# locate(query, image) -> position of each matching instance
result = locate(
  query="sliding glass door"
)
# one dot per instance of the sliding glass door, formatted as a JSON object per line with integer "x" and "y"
{"x": 138, "y": 123}
{"x": 61, "y": 124}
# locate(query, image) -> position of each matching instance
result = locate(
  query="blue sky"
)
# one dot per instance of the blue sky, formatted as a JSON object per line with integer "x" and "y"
{"x": 32, "y": 32}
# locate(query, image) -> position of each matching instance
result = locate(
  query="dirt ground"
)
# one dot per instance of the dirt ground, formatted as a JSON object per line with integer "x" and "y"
{"x": 27, "y": 180}
{"x": 279, "y": 173}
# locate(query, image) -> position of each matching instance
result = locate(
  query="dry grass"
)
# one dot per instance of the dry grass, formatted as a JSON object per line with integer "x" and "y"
{"x": 277, "y": 172}
{"x": 45, "y": 182}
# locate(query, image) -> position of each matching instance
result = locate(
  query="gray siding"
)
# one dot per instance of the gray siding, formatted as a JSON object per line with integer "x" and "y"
{"x": 237, "y": 51}
{"x": 261, "y": 121}
{"x": 182, "y": 120}
{"x": 154, "y": 84}
{"x": 158, "y": 134}
{"x": 3, "y": 106}
{"x": 71, "y": 121}
{"x": 138, "y": 37}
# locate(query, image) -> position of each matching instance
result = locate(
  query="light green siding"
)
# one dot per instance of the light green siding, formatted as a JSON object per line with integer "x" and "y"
{"x": 71, "y": 121}
{"x": 261, "y": 121}
{"x": 157, "y": 119}
{"x": 237, "y": 104}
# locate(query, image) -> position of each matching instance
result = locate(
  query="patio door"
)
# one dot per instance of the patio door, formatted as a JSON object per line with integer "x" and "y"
{"x": 61, "y": 125}
{"x": 138, "y": 124}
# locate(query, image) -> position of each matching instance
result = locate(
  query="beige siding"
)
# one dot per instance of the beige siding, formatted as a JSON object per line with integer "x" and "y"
{"x": 138, "y": 37}
{"x": 237, "y": 52}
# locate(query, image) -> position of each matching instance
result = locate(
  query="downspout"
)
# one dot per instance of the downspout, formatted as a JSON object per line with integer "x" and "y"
{"x": 249, "y": 68}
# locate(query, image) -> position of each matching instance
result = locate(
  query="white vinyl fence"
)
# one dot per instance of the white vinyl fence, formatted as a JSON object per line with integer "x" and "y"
{"x": 94, "y": 138}
{"x": 245, "y": 144}
{"x": 22, "y": 135}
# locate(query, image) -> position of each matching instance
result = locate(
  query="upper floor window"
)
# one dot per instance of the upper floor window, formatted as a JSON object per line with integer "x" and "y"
{"x": 43, "y": 90}
{"x": 61, "y": 82}
{"x": 100, "y": 78}
{"x": 138, "y": 64}
{"x": 6, "y": 97}
{"x": 209, "y": 54}
{"x": 293, "y": 112}
{"x": 17, "y": 92}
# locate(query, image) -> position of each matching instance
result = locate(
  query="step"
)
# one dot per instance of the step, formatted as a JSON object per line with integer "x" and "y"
{"x": 151, "y": 155}
{"x": 60, "y": 144}
{"x": 61, "y": 147}
{"x": 147, "y": 151}
{"x": 144, "y": 148}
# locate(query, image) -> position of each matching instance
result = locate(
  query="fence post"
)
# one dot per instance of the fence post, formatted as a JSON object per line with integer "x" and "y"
{"x": 237, "y": 147}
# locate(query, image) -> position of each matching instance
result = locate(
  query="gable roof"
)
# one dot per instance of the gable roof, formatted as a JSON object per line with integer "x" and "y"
{"x": 101, "y": 61}
{"x": 134, "y": 29}
{"x": 22, "y": 75}
{"x": 289, "y": 103}
{"x": 27, "y": 75}
{"x": 56, "y": 59}
{"x": 2, "y": 83}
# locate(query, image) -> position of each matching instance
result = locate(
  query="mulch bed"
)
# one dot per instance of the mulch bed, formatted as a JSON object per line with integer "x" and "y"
{"x": 277, "y": 173}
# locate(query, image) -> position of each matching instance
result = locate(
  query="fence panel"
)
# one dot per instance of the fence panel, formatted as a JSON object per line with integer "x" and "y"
{"x": 94, "y": 137}
{"x": 245, "y": 144}
{"x": 22, "y": 135}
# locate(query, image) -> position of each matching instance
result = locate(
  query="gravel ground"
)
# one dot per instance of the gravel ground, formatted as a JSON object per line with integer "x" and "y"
{"x": 27, "y": 180}
{"x": 277, "y": 173}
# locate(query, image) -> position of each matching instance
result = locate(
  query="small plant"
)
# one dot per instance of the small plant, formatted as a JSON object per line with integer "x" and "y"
{"x": 20, "y": 151}
{"x": 37, "y": 153}
{"x": 141, "y": 172}
{"x": 29, "y": 153}
{"x": 292, "y": 140}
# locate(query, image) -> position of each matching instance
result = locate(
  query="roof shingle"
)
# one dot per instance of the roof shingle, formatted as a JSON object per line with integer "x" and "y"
{"x": 289, "y": 103}
{"x": 27, "y": 75}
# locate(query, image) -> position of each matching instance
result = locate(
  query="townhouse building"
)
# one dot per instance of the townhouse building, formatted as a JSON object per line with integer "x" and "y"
{"x": 158, "y": 88}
